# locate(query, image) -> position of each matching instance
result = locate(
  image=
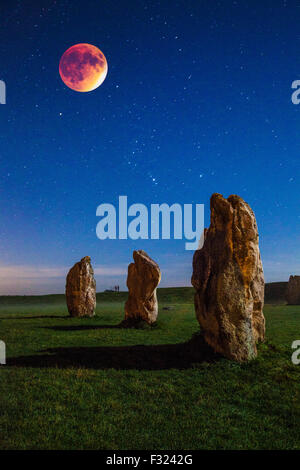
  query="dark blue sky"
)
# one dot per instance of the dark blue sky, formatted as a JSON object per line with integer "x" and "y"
{"x": 197, "y": 100}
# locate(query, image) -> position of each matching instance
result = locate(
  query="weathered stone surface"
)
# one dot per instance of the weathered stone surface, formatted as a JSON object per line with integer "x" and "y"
{"x": 229, "y": 281}
{"x": 293, "y": 291}
{"x": 81, "y": 289}
{"x": 143, "y": 278}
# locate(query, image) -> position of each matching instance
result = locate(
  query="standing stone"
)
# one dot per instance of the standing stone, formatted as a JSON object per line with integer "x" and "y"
{"x": 81, "y": 289}
{"x": 293, "y": 291}
{"x": 229, "y": 281}
{"x": 143, "y": 278}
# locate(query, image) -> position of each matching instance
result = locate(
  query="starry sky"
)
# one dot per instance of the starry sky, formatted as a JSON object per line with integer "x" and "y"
{"x": 197, "y": 100}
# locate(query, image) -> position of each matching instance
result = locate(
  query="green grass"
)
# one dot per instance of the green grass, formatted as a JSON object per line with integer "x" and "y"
{"x": 86, "y": 384}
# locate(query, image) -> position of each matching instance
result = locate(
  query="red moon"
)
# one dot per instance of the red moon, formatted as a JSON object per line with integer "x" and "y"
{"x": 83, "y": 67}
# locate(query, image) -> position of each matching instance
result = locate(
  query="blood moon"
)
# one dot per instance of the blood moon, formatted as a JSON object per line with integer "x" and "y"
{"x": 83, "y": 67}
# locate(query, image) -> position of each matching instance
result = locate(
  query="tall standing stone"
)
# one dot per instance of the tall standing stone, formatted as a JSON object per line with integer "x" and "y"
{"x": 229, "y": 281}
{"x": 293, "y": 291}
{"x": 143, "y": 278}
{"x": 81, "y": 289}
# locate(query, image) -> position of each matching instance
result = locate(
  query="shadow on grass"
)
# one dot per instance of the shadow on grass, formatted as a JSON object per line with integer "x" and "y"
{"x": 79, "y": 327}
{"x": 139, "y": 357}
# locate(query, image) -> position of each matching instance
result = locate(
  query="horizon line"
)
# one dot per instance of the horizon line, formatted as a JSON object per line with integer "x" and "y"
{"x": 115, "y": 292}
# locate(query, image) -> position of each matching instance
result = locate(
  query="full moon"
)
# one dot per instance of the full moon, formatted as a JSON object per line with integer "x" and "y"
{"x": 83, "y": 67}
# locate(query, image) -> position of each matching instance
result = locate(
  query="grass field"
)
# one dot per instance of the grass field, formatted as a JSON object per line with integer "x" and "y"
{"x": 87, "y": 384}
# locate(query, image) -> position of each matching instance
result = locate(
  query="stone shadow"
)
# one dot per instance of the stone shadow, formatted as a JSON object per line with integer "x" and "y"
{"x": 138, "y": 357}
{"x": 80, "y": 327}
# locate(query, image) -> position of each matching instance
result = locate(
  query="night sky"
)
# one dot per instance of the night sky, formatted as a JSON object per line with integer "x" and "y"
{"x": 197, "y": 100}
